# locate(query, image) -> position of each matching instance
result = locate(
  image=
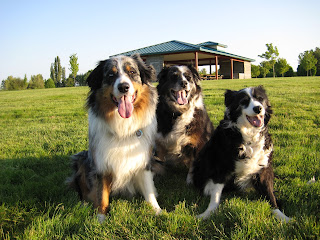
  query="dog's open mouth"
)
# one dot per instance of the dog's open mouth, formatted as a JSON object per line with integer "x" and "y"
{"x": 125, "y": 104}
{"x": 181, "y": 96}
{"x": 256, "y": 121}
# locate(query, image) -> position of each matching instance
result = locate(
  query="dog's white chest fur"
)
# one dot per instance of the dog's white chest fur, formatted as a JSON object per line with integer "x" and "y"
{"x": 177, "y": 137}
{"x": 255, "y": 158}
{"x": 122, "y": 156}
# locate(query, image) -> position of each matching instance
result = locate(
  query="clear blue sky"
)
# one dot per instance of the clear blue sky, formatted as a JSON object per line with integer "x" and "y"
{"x": 33, "y": 33}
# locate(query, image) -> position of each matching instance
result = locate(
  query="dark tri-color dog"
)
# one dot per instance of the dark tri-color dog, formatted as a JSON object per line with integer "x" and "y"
{"x": 183, "y": 123}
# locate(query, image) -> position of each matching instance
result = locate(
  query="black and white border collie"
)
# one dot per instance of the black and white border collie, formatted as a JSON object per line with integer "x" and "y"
{"x": 122, "y": 127}
{"x": 239, "y": 153}
{"x": 183, "y": 123}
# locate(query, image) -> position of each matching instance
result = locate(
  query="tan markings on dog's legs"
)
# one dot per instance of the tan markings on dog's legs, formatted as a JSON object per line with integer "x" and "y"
{"x": 103, "y": 194}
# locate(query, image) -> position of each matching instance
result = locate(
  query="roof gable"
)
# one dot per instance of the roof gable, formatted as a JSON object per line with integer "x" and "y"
{"x": 175, "y": 46}
{"x": 212, "y": 44}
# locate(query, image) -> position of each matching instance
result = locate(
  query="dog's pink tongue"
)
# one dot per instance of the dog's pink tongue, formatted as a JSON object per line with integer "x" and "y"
{"x": 182, "y": 98}
{"x": 256, "y": 121}
{"x": 125, "y": 106}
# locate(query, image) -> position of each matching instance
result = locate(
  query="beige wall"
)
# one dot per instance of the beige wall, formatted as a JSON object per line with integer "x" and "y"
{"x": 241, "y": 70}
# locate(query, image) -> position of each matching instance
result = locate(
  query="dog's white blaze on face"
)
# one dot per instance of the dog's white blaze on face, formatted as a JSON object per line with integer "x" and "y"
{"x": 124, "y": 99}
{"x": 249, "y": 114}
{"x": 123, "y": 78}
{"x": 184, "y": 69}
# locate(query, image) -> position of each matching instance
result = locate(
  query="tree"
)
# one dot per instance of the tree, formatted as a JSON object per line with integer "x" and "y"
{"x": 63, "y": 77}
{"x": 255, "y": 71}
{"x": 80, "y": 80}
{"x": 13, "y": 83}
{"x": 281, "y": 66}
{"x": 264, "y": 68}
{"x": 203, "y": 71}
{"x": 49, "y": 83}
{"x": 308, "y": 62}
{"x": 271, "y": 55}
{"x": 36, "y": 82}
{"x": 290, "y": 72}
{"x": 316, "y": 54}
{"x": 74, "y": 66}
{"x": 69, "y": 81}
{"x": 56, "y": 72}
{"x": 25, "y": 80}
{"x": 52, "y": 74}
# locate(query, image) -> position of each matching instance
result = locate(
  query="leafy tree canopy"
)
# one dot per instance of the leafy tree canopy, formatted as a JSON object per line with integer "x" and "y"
{"x": 36, "y": 82}
{"x": 49, "y": 83}
{"x": 281, "y": 66}
{"x": 271, "y": 55}
{"x": 74, "y": 65}
{"x": 308, "y": 61}
{"x": 255, "y": 71}
{"x": 14, "y": 83}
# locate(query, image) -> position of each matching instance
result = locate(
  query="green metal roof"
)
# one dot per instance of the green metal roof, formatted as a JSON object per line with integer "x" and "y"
{"x": 175, "y": 46}
{"x": 209, "y": 43}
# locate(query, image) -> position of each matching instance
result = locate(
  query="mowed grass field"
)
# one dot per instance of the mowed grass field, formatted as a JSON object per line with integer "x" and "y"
{"x": 40, "y": 129}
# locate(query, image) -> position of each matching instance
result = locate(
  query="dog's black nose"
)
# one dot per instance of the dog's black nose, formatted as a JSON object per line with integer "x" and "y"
{"x": 184, "y": 84}
{"x": 257, "y": 109}
{"x": 123, "y": 87}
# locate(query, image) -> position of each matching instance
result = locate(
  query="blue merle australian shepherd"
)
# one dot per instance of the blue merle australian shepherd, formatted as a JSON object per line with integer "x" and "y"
{"x": 122, "y": 128}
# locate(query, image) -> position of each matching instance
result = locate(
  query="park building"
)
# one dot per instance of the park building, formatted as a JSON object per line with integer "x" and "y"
{"x": 210, "y": 54}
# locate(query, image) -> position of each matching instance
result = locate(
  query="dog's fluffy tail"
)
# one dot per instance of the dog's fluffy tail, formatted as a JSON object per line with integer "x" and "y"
{"x": 78, "y": 163}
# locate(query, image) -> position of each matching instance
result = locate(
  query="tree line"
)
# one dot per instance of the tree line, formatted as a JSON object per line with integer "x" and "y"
{"x": 57, "y": 77}
{"x": 273, "y": 65}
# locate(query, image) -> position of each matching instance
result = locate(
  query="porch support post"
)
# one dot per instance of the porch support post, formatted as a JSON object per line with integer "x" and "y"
{"x": 216, "y": 67}
{"x": 210, "y": 65}
{"x": 196, "y": 60}
{"x": 231, "y": 68}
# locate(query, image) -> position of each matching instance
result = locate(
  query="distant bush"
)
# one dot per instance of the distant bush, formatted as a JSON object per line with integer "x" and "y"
{"x": 49, "y": 83}
{"x": 36, "y": 82}
{"x": 13, "y": 83}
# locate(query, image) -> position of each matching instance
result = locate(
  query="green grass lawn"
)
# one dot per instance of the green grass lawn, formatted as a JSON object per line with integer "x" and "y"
{"x": 40, "y": 129}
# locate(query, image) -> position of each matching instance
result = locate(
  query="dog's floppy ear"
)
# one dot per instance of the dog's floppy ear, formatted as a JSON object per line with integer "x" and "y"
{"x": 162, "y": 76}
{"x": 147, "y": 72}
{"x": 229, "y": 97}
{"x": 268, "y": 109}
{"x": 195, "y": 74}
{"x": 96, "y": 76}
{"x": 262, "y": 91}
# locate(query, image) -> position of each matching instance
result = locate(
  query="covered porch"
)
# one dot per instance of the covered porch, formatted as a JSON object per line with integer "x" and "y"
{"x": 221, "y": 64}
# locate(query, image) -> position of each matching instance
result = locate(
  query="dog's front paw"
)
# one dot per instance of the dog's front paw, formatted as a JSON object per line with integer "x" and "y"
{"x": 157, "y": 211}
{"x": 204, "y": 215}
{"x": 101, "y": 217}
{"x": 281, "y": 216}
{"x": 189, "y": 179}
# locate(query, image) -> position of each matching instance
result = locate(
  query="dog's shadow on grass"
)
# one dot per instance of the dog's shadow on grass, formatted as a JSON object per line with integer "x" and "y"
{"x": 35, "y": 181}
{"x": 173, "y": 189}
